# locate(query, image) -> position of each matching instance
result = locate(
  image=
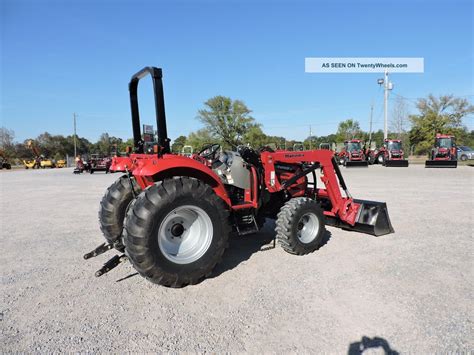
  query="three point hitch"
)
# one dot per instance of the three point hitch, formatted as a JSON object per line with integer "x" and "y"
{"x": 110, "y": 264}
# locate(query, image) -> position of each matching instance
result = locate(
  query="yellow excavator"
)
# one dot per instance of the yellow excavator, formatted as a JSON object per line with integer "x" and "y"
{"x": 38, "y": 161}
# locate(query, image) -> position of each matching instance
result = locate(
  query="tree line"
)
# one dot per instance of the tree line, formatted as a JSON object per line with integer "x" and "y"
{"x": 230, "y": 123}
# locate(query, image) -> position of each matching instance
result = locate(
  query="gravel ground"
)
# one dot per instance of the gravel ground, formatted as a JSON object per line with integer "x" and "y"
{"x": 413, "y": 289}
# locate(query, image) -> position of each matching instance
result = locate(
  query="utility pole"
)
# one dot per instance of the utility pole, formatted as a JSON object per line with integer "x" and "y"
{"x": 75, "y": 146}
{"x": 387, "y": 85}
{"x": 370, "y": 122}
{"x": 310, "y": 138}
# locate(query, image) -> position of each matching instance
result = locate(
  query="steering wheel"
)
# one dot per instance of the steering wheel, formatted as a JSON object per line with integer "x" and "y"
{"x": 209, "y": 151}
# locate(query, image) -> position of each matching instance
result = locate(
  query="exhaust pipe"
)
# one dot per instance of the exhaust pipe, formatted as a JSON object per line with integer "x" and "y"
{"x": 441, "y": 164}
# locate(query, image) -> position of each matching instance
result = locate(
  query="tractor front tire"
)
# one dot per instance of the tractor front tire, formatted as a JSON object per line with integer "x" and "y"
{"x": 381, "y": 159}
{"x": 300, "y": 226}
{"x": 176, "y": 232}
{"x": 113, "y": 208}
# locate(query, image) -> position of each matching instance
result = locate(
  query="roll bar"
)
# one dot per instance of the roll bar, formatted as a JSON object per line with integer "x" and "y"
{"x": 163, "y": 140}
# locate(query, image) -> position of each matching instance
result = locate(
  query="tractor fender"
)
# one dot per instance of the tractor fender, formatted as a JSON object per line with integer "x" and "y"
{"x": 121, "y": 164}
{"x": 170, "y": 166}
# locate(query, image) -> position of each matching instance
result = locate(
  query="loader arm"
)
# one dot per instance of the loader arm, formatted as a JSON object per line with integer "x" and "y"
{"x": 343, "y": 207}
{"x": 345, "y": 212}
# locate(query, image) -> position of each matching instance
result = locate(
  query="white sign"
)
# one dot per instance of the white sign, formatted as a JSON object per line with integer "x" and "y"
{"x": 364, "y": 65}
{"x": 147, "y": 129}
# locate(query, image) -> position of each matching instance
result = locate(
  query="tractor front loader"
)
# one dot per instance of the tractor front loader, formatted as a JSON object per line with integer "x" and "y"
{"x": 172, "y": 216}
{"x": 443, "y": 154}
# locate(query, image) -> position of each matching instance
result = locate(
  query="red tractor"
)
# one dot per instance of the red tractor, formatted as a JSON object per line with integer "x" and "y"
{"x": 443, "y": 154}
{"x": 98, "y": 163}
{"x": 172, "y": 216}
{"x": 391, "y": 154}
{"x": 352, "y": 155}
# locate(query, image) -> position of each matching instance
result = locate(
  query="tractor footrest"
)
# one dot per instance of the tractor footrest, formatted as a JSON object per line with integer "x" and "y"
{"x": 441, "y": 164}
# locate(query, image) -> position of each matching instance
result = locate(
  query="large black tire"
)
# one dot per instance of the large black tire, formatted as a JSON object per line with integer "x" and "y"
{"x": 146, "y": 230}
{"x": 292, "y": 220}
{"x": 113, "y": 208}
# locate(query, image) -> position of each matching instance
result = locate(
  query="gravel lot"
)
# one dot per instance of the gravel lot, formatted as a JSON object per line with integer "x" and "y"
{"x": 413, "y": 288}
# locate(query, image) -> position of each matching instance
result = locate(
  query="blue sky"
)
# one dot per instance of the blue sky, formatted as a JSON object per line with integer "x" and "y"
{"x": 60, "y": 57}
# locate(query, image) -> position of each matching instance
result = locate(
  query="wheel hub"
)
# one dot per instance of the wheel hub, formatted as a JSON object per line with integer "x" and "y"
{"x": 177, "y": 230}
{"x": 308, "y": 227}
{"x": 185, "y": 234}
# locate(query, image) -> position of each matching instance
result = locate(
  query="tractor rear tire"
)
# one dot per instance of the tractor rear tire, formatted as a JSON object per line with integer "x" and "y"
{"x": 176, "y": 232}
{"x": 114, "y": 206}
{"x": 300, "y": 226}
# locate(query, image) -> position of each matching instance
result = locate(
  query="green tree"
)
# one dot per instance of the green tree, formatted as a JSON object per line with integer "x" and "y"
{"x": 226, "y": 118}
{"x": 201, "y": 137}
{"x": 438, "y": 115}
{"x": 255, "y": 137}
{"x": 7, "y": 143}
{"x": 178, "y": 144}
{"x": 104, "y": 144}
{"x": 348, "y": 129}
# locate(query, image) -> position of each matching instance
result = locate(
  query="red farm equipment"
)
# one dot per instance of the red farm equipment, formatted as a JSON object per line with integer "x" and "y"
{"x": 4, "y": 163}
{"x": 443, "y": 154}
{"x": 391, "y": 154}
{"x": 352, "y": 155}
{"x": 99, "y": 163}
{"x": 172, "y": 216}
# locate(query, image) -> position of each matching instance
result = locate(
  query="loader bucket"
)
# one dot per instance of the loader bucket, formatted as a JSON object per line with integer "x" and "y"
{"x": 397, "y": 163}
{"x": 357, "y": 164}
{"x": 373, "y": 218}
{"x": 441, "y": 164}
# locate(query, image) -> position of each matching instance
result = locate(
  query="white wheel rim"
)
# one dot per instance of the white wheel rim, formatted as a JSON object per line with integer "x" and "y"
{"x": 380, "y": 159}
{"x": 185, "y": 234}
{"x": 308, "y": 227}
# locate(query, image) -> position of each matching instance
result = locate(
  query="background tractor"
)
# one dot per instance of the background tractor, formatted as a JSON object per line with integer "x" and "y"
{"x": 187, "y": 151}
{"x": 172, "y": 216}
{"x": 391, "y": 154}
{"x": 4, "y": 163}
{"x": 99, "y": 163}
{"x": 352, "y": 154}
{"x": 444, "y": 153}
